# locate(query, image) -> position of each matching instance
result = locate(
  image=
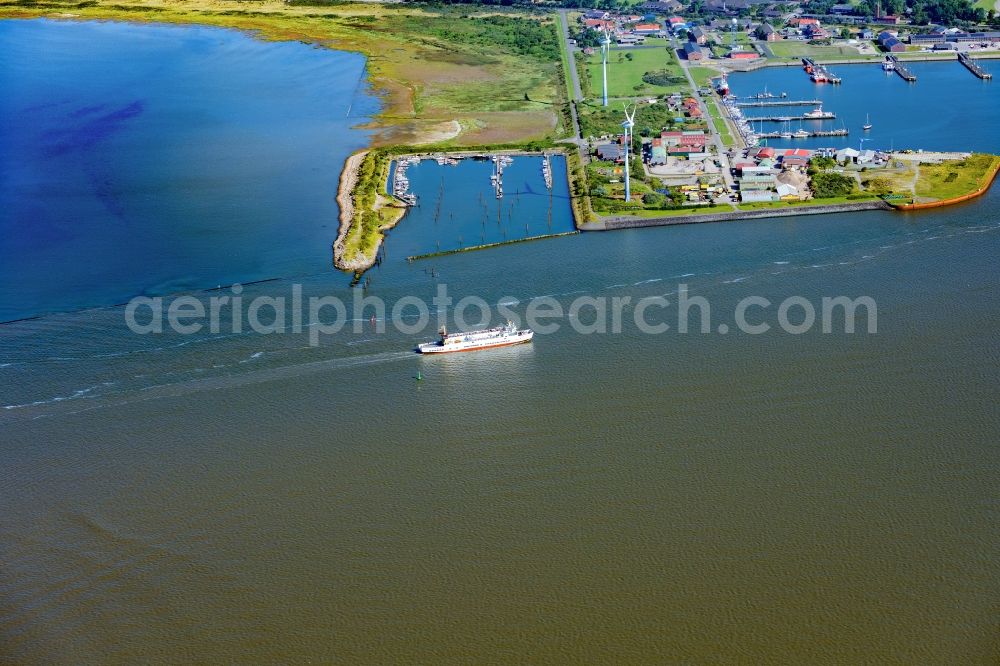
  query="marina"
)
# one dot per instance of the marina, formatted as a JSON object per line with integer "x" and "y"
{"x": 855, "y": 109}
{"x": 468, "y": 201}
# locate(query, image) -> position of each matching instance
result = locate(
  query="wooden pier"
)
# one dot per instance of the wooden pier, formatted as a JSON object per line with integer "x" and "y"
{"x": 902, "y": 70}
{"x": 973, "y": 66}
{"x": 784, "y": 102}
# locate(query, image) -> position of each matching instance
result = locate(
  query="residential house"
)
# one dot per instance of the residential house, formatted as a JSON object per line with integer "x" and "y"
{"x": 815, "y": 31}
{"x": 767, "y": 32}
{"x": 599, "y": 24}
{"x": 693, "y": 52}
{"x": 647, "y": 28}
{"x": 698, "y": 35}
{"x": 611, "y": 152}
{"x": 661, "y": 7}
{"x": 800, "y": 22}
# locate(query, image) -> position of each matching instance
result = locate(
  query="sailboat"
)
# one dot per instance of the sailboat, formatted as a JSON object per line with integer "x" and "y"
{"x": 868, "y": 123}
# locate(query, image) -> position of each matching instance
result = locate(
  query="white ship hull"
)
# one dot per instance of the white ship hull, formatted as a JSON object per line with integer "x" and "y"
{"x": 476, "y": 341}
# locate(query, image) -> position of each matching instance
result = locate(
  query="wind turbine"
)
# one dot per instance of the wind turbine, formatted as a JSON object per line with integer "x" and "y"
{"x": 605, "y": 54}
{"x": 628, "y": 125}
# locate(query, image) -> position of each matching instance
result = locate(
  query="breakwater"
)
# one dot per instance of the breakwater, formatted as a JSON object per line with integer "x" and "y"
{"x": 627, "y": 222}
{"x": 486, "y": 246}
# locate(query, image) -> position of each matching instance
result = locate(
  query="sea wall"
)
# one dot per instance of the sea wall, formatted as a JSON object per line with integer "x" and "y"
{"x": 628, "y": 222}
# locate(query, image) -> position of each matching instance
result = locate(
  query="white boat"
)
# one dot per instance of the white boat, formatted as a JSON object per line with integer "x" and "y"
{"x": 818, "y": 114}
{"x": 888, "y": 65}
{"x": 801, "y": 134}
{"x": 868, "y": 123}
{"x": 501, "y": 336}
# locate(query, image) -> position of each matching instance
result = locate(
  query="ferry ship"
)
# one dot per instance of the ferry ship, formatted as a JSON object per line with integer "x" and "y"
{"x": 501, "y": 336}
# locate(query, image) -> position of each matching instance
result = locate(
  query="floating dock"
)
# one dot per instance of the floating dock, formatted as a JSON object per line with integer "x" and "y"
{"x": 973, "y": 66}
{"x": 801, "y": 135}
{"x": 902, "y": 70}
{"x": 781, "y": 119}
{"x": 785, "y": 102}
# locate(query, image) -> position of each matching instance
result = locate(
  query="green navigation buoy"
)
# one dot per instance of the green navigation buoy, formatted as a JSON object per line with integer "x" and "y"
{"x": 419, "y": 376}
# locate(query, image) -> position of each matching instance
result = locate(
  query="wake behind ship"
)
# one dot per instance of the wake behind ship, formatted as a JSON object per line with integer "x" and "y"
{"x": 501, "y": 336}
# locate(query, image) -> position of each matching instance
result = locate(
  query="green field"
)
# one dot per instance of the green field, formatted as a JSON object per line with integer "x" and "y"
{"x": 796, "y": 49}
{"x": 597, "y": 120}
{"x": 565, "y": 55}
{"x": 721, "y": 127}
{"x": 625, "y": 75}
{"x": 701, "y": 75}
{"x": 954, "y": 179}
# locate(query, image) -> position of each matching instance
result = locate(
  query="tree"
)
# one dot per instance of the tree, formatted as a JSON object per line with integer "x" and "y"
{"x": 653, "y": 199}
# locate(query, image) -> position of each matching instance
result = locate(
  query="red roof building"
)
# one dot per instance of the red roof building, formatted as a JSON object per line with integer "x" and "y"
{"x": 743, "y": 55}
{"x": 684, "y": 143}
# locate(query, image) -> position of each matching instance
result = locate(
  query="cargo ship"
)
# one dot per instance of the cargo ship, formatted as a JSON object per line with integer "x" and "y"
{"x": 501, "y": 336}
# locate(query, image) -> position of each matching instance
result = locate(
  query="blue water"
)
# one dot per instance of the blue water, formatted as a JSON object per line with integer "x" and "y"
{"x": 818, "y": 498}
{"x": 151, "y": 159}
{"x": 947, "y": 108}
{"x": 457, "y": 206}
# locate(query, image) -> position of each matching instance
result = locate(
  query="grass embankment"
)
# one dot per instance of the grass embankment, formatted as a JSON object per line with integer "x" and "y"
{"x": 370, "y": 211}
{"x": 626, "y": 68}
{"x": 490, "y": 74}
{"x": 954, "y": 179}
{"x": 721, "y": 126}
{"x": 702, "y": 75}
{"x": 828, "y": 201}
{"x": 795, "y": 49}
{"x": 564, "y": 56}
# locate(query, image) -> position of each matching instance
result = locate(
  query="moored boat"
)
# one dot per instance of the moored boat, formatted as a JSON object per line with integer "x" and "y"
{"x": 501, "y": 336}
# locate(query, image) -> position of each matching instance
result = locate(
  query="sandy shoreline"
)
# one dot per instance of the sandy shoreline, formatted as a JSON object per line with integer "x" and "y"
{"x": 345, "y": 201}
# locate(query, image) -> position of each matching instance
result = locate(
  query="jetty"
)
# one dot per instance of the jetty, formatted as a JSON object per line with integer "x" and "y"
{"x": 828, "y": 115}
{"x": 818, "y": 73}
{"x": 800, "y": 134}
{"x": 902, "y": 69}
{"x": 784, "y": 102}
{"x": 973, "y": 66}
